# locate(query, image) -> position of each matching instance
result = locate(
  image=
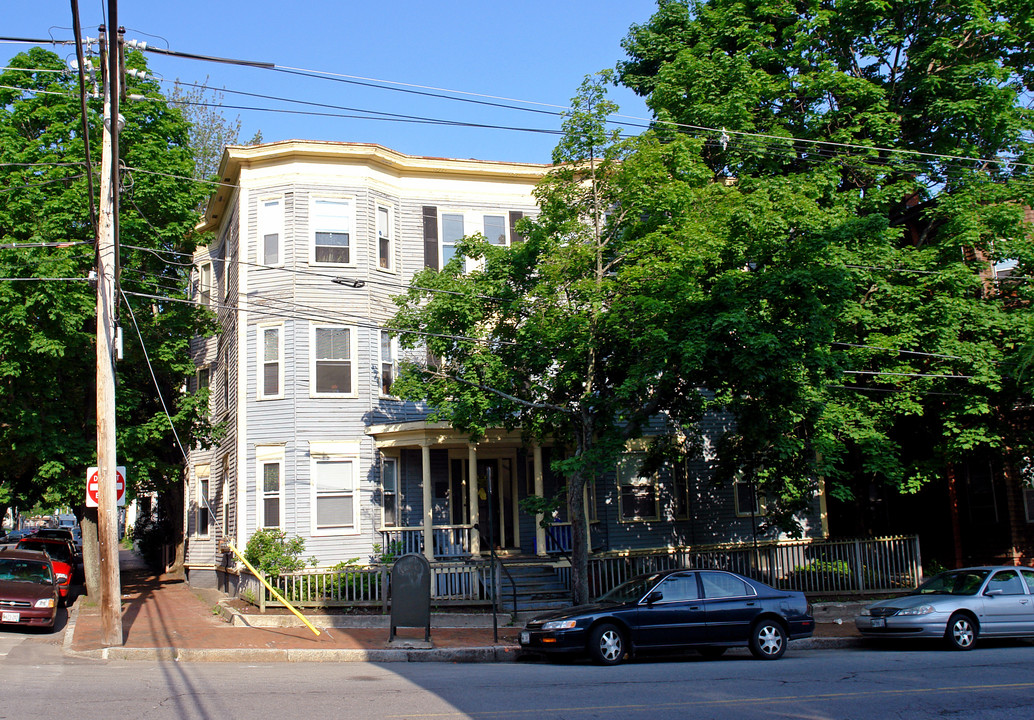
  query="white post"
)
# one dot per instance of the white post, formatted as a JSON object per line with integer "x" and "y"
{"x": 472, "y": 494}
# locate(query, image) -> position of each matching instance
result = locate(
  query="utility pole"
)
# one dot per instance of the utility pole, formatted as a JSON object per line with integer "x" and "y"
{"x": 107, "y": 263}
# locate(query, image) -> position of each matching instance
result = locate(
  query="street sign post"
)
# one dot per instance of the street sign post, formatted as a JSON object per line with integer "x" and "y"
{"x": 92, "y": 486}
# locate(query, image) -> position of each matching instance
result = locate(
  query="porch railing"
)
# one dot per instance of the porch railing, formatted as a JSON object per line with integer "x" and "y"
{"x": 867, "y": 565}
{"x": 450, "y": 541}
{"x": 452, "y": 583}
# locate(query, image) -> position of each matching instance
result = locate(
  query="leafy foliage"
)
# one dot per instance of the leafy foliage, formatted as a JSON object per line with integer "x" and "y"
{"x": 47, "y": 309}
{"x": 868, "y": 340}
{"x": 272, "y": 552}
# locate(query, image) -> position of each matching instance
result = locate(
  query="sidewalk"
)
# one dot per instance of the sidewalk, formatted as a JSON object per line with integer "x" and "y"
{"x": 164, "y": 619}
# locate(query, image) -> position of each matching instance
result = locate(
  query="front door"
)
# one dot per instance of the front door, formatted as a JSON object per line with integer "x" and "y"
{"x": 676, "y": 618}
{"x": 496, "y": 503}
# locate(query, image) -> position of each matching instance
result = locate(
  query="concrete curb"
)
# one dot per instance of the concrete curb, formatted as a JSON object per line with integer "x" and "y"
{"x": 494, "y": 654}
{"x": 368, "y": 622}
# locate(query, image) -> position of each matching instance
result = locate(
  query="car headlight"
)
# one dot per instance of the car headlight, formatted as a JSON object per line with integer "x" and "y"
{"x": 45, "y": 603}
{"x": 919, "y": 610}
{"x": 865, "y": 612}
{"x": 559, "y": 625}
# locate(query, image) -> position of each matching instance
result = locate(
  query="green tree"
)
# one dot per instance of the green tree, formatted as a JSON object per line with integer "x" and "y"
{"x": 907, "y": 124}
{"x": 47, "y": 307}
{"x": 573, "y": 334}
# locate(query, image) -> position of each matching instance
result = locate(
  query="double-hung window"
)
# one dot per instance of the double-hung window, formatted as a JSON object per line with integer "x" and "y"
{"x": 331, "y": 220}
{"x": 205, "y": 282}
{"x": 333, "y": 366}
{"x": 389, "y": 361}
{"x": 748, "y": 500}
{"x": 335, "y": 498}
{"x": 638, "y": 494}
{"x": 203, "y": 474}
{"x": 495, "y": 229}
{"x": 452, "y": 233}
{"x": 270, "y": 231}
{"x": 270, "y": 471}
{"x": 385, "y": 248}
{"x": 271, "y": 355}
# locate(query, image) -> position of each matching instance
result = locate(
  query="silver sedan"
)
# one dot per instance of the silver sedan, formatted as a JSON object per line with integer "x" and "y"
{"x": 959, "y": 606}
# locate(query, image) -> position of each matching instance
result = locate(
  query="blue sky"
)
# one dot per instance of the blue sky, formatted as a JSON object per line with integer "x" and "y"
{"x": 533, "y": 51}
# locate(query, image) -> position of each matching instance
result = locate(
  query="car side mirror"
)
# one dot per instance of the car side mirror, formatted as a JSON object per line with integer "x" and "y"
{"x": 992, "y": 593}
{"x": 654, "y": 597}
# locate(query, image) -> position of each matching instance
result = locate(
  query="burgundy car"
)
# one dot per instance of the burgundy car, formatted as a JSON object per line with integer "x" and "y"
{"x": 28, "y": 591}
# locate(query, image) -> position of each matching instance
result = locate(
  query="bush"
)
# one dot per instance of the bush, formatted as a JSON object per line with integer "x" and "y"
{"x": 270, "y": 551}
{"x": 150, "y": 536}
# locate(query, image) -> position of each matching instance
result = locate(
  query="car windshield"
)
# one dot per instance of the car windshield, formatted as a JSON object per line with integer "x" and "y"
{"x": 955, "y": 582}
{"x": 25, "y": 571}
{"x": 56, "y": 550}
{"x": 631, "y": 591}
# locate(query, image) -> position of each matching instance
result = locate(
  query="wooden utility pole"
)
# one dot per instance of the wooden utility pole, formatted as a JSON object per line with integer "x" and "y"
{"x": 107, "y": 261}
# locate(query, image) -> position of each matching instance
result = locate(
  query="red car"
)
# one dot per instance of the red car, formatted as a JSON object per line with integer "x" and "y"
{"x": 62, "y": 557}
{"x": 28, "y": 589}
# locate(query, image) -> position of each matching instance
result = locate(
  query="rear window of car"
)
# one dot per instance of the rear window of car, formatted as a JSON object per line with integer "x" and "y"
{"x": 720, "y": 585}
{"x": 25, "y": 571}
{"x": 56, "y": 550}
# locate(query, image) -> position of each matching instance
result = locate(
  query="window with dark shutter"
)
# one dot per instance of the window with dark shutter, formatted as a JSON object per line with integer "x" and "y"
{"x": 515, "y": 215}
{"x": 431, "y": 236}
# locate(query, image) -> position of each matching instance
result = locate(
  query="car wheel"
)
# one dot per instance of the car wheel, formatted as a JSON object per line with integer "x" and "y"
{"x": 961, "y": 633}
{"x": 768, "y": 640}
{"x": 607, "y": 645}
{"x": 711, "y": 652}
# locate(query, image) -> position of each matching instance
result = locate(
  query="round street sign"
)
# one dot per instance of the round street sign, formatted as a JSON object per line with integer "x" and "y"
{"x": 93, "y": 487}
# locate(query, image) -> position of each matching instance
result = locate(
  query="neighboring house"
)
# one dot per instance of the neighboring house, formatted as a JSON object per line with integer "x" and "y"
{"x": 312, "y": 241}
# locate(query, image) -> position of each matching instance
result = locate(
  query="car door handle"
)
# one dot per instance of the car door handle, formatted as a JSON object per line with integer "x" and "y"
{"x": 750, "y": 604}
{"x": 694, "y": 607}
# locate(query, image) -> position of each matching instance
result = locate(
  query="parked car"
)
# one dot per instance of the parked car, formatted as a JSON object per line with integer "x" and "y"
{"x": 64, "y": 533}
{"x": 959, "y": 606}
{"x": 62, "y": 557}
{"x": 708, "y": 610}
{"x": 28, "y": 589}
{"x": 16, "y": 535}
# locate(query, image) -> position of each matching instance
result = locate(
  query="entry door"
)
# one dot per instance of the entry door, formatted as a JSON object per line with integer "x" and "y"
{"x": 501, "y": 505}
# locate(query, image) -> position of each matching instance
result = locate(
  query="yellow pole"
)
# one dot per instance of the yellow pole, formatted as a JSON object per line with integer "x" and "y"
{"x": 272, "y": 589}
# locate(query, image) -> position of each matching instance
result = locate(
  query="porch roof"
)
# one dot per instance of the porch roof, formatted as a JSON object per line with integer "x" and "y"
{"x": 420, "y": 433}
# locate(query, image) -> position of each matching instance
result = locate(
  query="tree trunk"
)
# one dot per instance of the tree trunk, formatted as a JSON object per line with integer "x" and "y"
{"x": 579, "y": 541}
{"x": 91, "y": 554}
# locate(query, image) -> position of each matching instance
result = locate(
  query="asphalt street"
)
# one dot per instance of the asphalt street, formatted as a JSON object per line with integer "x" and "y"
{"x": 992, "y": 682}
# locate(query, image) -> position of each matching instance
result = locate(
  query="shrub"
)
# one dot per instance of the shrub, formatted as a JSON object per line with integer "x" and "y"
{"x": 151, "y": 535}
{"x": 270, "y": 551}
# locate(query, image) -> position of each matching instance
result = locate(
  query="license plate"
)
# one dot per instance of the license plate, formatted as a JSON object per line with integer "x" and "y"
{"x": 525, "y": 638}
{"x": 10, "y": 617}
{"x": 879, "y": 622}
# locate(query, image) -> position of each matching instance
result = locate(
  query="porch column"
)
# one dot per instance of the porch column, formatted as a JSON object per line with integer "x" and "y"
{"x": 540, "y": 532}
{"x": 472, "y": 495}
{"x": 425, "y": 459}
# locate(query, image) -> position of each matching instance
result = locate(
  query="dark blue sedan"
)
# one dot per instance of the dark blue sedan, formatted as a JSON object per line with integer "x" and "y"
{"x": 708, "y": 610}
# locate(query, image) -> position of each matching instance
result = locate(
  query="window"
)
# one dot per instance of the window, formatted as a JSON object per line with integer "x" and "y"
{"x": 334, "y": 485}
{"x": 679, "y": 587}
{"x": 331, "y": 226}
{"x": 204, "y": 378}
{"x": 226, "y": 381}
{"x": 389, "y": 492}
{"x": 495, "y": 229}
{"x": 203, "y": 474}
{"x": 452, "y": 232}
{"x": 384, "y": 246}
{"x": 1028, "y": 503}
{"x": 270, "y": 230}
{"x": 205, "y": 284}
{"x": 723, "y": 585}
{"x": 389, "y": 358}
{"x": 1006, "y": 581}
{"x": 270, "y": 461}
{"x": 638, "y": 494}
{"x": 333, "y": 361}
{"x": 271, "y": 345}
{"x": 748, "y": 501}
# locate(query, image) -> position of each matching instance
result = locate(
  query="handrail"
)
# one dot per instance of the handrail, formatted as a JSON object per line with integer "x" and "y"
{"x": 549, "y": 529}
{"x": 513, "y": 588}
